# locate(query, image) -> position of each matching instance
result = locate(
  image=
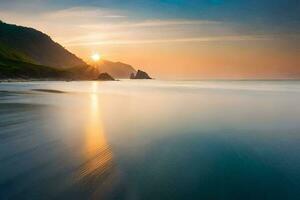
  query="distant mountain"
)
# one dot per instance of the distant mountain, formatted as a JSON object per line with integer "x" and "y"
{"x": 29, "y": 45}
{"x": 116, "y": 69}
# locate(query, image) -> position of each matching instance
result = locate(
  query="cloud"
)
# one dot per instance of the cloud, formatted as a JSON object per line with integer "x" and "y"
{"x": 83, "y": 13}
{"x": 173, "y": 22}
{"x": 114, "y": 16}
{"x": 149, "y": 23}
{"x": 175, "y": 40}
{"x": 89, "y": 26}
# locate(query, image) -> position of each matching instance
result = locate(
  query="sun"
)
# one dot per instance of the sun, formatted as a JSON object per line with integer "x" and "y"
{"x": 95, "y": 57}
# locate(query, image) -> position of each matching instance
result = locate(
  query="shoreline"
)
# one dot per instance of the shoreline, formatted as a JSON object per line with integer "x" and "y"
{"x": 10, "y": 80}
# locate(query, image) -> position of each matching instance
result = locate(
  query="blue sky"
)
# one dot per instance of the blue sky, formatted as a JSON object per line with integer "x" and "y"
{"x": 271, "y": 16}
{"x": 277, "y": 12}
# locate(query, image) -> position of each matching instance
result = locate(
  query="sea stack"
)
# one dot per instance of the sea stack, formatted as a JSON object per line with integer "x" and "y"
{"x": 140, "y": 75}
{"x": 105, "y": 77}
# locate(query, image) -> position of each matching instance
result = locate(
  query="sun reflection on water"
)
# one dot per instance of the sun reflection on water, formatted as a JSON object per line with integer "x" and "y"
{"x": 97, "y": 152}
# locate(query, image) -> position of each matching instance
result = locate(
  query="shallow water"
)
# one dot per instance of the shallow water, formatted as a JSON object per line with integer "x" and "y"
{"x": 150, "y": 140}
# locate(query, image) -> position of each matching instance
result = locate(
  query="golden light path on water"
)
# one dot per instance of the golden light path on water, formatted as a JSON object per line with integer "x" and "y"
{"x": 96, "y": 149}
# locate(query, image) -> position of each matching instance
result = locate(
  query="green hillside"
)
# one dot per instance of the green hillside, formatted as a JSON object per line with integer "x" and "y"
{"x": 27, "y": 53}
{"x": 18, "y": 69}
{"x": 9, "y": 53}
{"x": 36, "y": 46}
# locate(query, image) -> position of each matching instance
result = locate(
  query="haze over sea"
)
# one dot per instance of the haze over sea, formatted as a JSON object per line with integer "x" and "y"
{"x": 150, "y": 140}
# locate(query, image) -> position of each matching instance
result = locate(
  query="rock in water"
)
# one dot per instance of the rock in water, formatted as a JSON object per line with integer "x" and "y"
{"x": 132, "y": 76}
{"x": 140, "y": 75}
{"x": 105, "y": 77}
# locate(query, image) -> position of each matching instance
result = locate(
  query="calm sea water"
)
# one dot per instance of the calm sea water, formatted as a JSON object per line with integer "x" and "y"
{"x": 151, "y": 140}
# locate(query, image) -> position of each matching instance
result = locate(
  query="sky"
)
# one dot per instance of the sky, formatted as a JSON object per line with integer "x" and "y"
{"x": 174, "y": 39}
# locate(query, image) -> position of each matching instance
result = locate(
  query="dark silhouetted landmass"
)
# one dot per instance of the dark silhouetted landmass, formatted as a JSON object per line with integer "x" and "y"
{"x": 36, "y": 47}
{"x": 19, "y": 69}
{"x": 140, "y": 75}
{"x": 105, "y": 77}
{"x": 132, "y": 76}
{"x": 26, "y": 53}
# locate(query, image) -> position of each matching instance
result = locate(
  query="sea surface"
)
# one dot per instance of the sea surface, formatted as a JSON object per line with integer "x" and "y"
{"x": 156, "y": 140}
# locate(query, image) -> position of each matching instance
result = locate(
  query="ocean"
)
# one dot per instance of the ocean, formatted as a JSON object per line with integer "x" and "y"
{"x": 150, "y": 139}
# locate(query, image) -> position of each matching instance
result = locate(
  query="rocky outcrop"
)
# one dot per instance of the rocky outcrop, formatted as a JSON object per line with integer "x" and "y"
{"x": 105, "y": 77}
{"x": 132, "y": 76}
{"x": 140, "y": 75}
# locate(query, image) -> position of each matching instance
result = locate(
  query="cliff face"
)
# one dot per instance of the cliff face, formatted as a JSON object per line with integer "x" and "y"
{"x": 29, "y": 45}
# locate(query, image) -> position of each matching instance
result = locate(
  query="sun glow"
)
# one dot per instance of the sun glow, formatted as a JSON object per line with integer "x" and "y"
{"x": 95, "y": 57}
{"x": 97, "y": 152}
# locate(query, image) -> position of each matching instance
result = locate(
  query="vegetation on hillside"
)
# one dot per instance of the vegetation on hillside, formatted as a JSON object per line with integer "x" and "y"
{"x": 27, "y": 53}
{"x": 37, "y": 46}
